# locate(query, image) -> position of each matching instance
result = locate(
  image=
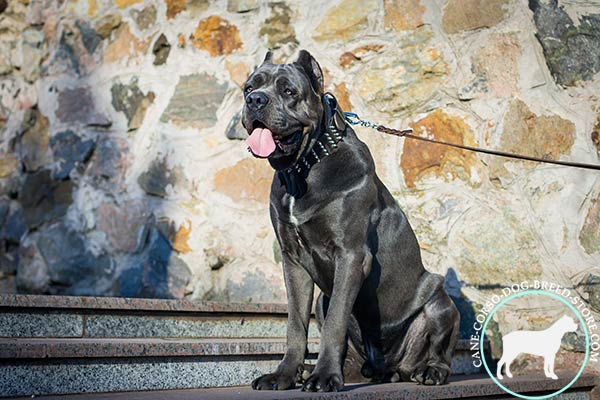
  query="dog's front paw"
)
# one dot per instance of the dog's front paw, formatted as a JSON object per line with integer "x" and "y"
{"x": 431, "y": 375}
{"x": 324, "y": 382}
{"x": 275, "y": 381}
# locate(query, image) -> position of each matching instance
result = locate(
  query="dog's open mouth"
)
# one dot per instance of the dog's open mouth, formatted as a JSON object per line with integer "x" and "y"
{"x": 263, "y": 144}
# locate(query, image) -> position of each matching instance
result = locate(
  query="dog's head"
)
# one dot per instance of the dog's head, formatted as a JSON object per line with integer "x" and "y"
{"x": 568, "y": 324}
{"x": 283, "y": 106}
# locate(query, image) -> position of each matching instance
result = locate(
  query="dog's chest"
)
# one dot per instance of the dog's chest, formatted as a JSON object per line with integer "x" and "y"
{"x": 293, "y": 219}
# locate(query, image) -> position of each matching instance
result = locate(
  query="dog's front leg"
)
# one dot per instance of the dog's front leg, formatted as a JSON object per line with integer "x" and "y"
{"x": 351, "y": 267}
{"x": 300, "y": 287}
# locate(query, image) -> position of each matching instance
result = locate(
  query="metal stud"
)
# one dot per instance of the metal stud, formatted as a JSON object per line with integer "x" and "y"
{"x": 315, "y": 154}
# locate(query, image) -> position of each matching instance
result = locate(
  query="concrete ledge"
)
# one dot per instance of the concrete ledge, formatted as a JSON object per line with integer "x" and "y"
{"x": 131, "y": 304}
{"x": 460, "y": 387}
{"x": 105, "y": 348}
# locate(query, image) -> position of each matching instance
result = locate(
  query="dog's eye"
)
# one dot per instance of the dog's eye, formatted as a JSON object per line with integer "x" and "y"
{"x": 288, "y": 91}
{"x": 248, "y": 89}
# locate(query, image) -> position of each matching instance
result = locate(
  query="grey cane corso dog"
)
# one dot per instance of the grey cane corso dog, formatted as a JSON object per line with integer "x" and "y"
{"x": 341, "y": 229}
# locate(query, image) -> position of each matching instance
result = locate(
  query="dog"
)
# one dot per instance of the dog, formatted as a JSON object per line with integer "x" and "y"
{"x": 341, "y": 229}
{"x": 540, "y": 343}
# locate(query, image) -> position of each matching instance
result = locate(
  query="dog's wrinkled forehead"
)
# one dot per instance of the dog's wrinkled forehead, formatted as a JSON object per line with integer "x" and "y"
{"x": 268, "y": 75}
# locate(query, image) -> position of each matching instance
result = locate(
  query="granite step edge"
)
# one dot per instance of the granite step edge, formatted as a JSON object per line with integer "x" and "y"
{"x": 56, "y": 348}
{"x": 22, "y": 301}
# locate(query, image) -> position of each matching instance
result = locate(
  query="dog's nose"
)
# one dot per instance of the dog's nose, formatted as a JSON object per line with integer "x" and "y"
{"x": 257, "y": 101}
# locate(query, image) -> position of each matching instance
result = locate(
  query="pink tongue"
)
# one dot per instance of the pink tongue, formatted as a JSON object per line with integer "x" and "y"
{"x": 261, "y": 142}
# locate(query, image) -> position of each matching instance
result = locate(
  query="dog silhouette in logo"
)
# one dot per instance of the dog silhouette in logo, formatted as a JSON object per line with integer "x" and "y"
{"x": 540, "y": 343}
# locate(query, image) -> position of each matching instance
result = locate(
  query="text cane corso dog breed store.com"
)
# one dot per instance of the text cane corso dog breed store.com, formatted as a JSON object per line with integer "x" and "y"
{"x": 340, "y": 228}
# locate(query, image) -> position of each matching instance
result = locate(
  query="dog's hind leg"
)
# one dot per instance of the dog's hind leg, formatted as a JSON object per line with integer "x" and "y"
{"x": 430, "y": 342}
{"x": 507, "y": 368}
{"x": 501, "y": 363}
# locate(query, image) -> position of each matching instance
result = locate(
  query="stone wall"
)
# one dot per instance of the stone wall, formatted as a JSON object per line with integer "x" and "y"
{"x": 122, "y": 172}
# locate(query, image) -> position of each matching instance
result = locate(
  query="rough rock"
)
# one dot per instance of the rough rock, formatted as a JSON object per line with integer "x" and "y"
{"x": 6, "y": 64}
{"x": 181, "y": 41}
{"x": 68, "y": 54}
{"x": 44, "y": 199}
{"x": 345, "y": 21}
{"x": 248, "y": 179}
{"x": 130, "y": 100}
{"x": 400, "y": 79}
{"x": 123, "y": 224}
{"x": 241, "y": 6}
{"x": 277, "y": 29}
{"x": 572, "y": 50}
{"x": 157, "y": 177}
{"x": 181, "y": 238}
{"x": 217, "y": 36}
{"x": 496, "y": 64}
{"x": 68, "y": 151}
{"x": 402, "y": 15}
{"x": 90, "y": 38}
{"x": 195, "y": 101}
{"x": 467, "y": 15}
{"x": 349, "y": 58}
{"x": 343, "y": 97}
{"x": 174, "y": 7}
{"x": 109, "y": 163}
{"x": 161, "y": 50}
{"x": 235, "y": 130}
{"x": 8, "y": 165}
{"x": 78, "y": 107}
{"x": 596, "y": 135}
{"x": 591, "y": 286}
{"x": 126, "y": 3}
{"x": 589, "y": 236}
{"x": 108, "y": 23}
{"x": 33, "y": 150}
{"x": 72, "y": 268}
{"x": 420, "y": 158}
{"x": 125, "y": 46}
{"x": 144, "y": 18}
{"x": 515, "y": 247}
{"x": 196, "y": 7}
{"x": 159, "y": 273}
{"x": 178, "y": 238}
{"x": 545, "y": 136}
{"x": 12, "y": 221}
{"x": 32, "y": 273}
{"x": 238, "y": 72}
{"x": 32, "y": 52}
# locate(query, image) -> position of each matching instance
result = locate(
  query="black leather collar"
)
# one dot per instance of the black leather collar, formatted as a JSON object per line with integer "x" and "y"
{"x": 294, "y": 177}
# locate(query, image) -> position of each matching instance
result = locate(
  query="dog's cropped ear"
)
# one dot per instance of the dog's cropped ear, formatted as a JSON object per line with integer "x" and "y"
{"x": 268, "y": 57}
{"x": 312, "y": 69}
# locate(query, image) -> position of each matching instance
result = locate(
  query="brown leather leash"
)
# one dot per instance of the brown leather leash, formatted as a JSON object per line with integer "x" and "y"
{"x": 354, "y": 119}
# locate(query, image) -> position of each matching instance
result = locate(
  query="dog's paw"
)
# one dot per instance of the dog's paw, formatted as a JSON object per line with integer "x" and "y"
{"x": 275, "y": 381}
{"x": 324, "y": 382}
{"x": 430, "y": 375}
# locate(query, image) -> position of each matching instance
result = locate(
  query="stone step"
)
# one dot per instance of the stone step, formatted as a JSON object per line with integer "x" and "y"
{"x": 104, "y": 317}
{"x": 53, "y": 348}
{"x": 53, "y": 345}
{"x": 472, "y": 387}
